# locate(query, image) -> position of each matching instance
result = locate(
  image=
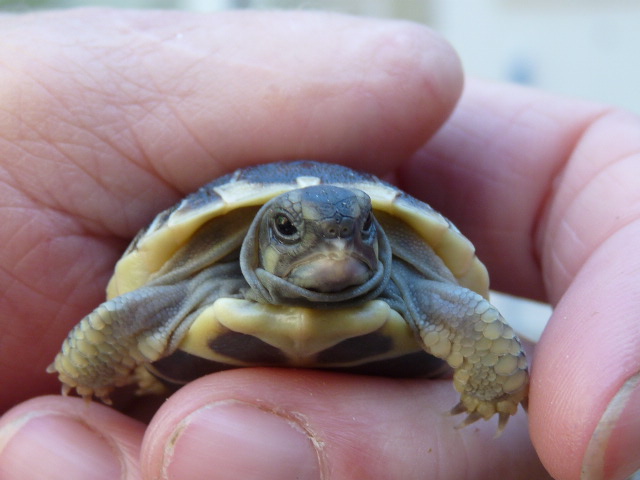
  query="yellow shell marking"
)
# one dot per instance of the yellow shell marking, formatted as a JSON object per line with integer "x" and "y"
{"x": 163, "y": 239}
{"x": 300, "y": 333}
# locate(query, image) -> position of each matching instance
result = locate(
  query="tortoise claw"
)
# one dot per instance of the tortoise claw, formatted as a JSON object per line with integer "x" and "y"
{"x": 87, "y": 393}
{"x": 458, "y": 409}
{"x": 66, "y": 390}
{"x": 503, "y": 418}
{"x": 473, "y": 417}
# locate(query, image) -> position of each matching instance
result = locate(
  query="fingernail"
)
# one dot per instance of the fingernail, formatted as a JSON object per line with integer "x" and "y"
{"x": 614, "y": 450}
{"x": 236, "y": 440}
{"x": 55, "y": 447}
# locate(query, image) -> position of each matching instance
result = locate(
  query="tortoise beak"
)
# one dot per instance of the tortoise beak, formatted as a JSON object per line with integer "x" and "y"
{"x": 335, "y": 265}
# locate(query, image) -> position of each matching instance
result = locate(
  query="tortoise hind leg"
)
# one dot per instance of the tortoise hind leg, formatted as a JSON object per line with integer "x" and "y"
{"x": 464, "y": 329}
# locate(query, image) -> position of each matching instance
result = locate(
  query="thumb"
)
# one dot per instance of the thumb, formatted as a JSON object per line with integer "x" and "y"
{"x": 263, "y": 423}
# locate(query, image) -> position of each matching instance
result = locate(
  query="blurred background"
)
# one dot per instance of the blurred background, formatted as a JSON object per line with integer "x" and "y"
{"x": 582, "y": 48}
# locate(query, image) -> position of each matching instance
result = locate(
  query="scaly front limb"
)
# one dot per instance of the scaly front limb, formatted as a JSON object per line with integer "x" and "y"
{"x": 102, "y": 351}
{"x": 464, "y": 329}
{"x": 137, "y": 328}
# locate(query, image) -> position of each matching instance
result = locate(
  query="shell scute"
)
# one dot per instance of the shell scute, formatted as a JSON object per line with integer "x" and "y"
{"x": 256, "y": 185}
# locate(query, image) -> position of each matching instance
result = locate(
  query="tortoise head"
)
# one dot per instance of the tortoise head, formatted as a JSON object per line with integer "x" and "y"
{"x": 322, "y": 238}
{"x": 319, "y": 243}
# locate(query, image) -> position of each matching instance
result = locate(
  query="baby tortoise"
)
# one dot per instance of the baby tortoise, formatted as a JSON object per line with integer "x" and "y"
{"x": 300, "y": 264}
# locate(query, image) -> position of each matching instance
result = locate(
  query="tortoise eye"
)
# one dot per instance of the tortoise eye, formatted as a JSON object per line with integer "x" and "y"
{"x": 284, "y": 225}
{"x": 366, "y": 226}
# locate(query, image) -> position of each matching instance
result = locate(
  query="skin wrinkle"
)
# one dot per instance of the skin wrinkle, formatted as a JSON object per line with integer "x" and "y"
{"x": 42, "y": 193}
{"x": 560, "y": 268}
{"x": 11, "y": 198}
{"x": 150, "y": 167}
{"x": 19, "y": 129}
{"x": 73, "y": 206}
{"x": 515, "y": 121}
{"x": 588, "y": 387}
{"x": 138, "y": 205}
{"x": 193, "y": 140}
{"x": 558, "y": 216}
{"x": 18, "y": 266}
{"x": 47, "y": 252}
{"x": 604, "y": 175}
{"x": 117, "y": 63}
{"x": 469, "y": 147}
{"x": 106, "y": 186}
{"x": 590, "y": 128}
{"x": 103, "y": 139}
{"x": 46, "y": 249}
{"x": 254, "y": 64}
{"x": 555, "y": 184}
{"x": 39, "y": 190}
{"x": 58, "y": 223}
{"x": 59, "y": 306}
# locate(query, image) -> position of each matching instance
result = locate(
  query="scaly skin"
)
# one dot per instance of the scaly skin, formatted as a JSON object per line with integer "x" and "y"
{"x": 464, "y": 329}
{"x": 139, "y": 327}
{"x": 102, "y": 351}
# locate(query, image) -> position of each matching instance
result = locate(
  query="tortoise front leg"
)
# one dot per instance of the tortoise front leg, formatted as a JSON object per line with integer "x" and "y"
{"x": 105, "y": 348}
{"x": 463, "y": 328}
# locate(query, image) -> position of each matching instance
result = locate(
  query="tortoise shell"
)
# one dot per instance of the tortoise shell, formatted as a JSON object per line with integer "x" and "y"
{"x": 254, "y": 186}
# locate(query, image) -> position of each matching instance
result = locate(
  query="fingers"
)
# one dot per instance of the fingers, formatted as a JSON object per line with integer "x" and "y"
{"x": 66, "y": 438}
{"x": 310, "y": 425}
{"x": 260, "y": 423}
{"x": 491, "y": 170}
{"x": 586, "y": 394}
{"x": 103, "y": 130}
{"x": 555, "y": 213}
{"x": 196, "y": 96}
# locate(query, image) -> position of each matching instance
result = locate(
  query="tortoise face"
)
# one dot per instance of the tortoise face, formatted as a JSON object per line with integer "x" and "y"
{"x": 322, "y": 238}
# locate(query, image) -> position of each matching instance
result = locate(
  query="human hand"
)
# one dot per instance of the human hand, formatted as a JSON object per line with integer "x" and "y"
{"x": 104, "y": 128}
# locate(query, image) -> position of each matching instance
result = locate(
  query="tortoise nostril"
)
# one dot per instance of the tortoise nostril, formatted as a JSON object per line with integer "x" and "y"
{"x": 338, "y": 230}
